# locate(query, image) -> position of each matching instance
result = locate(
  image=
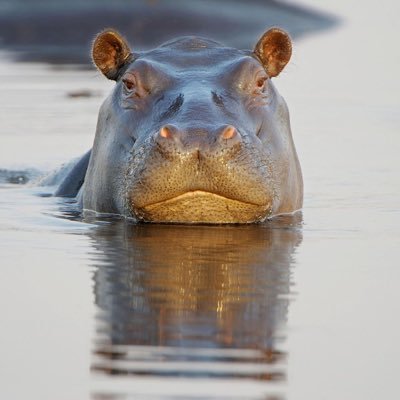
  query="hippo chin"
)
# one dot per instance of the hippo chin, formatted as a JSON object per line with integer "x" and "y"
{"x": 193, "y": 132}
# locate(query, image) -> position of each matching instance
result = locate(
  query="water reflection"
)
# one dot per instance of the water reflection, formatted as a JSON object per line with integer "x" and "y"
{"x": 197, "y": 301}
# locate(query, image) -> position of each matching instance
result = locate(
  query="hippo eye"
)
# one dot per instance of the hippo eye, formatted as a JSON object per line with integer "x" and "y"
{"x": 129, "y": 84}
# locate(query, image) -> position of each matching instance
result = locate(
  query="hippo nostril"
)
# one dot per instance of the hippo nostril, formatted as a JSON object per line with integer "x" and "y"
{"x": 167, "y": 131}
{"x": 229, "y": 134}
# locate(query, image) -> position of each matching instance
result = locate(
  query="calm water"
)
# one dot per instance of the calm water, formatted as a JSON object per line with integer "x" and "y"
{"x": 304, "y": 307}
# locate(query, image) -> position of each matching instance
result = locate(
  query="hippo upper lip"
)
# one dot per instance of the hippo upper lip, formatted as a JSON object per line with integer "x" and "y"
{"x": 199, "y": 192}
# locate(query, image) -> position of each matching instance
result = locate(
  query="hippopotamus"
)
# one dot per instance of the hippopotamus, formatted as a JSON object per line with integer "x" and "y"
{"x": 192, "y": 132}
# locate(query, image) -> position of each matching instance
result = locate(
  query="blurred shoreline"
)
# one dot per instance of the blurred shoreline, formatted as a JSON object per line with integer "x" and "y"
{"x": 60, "y": 32}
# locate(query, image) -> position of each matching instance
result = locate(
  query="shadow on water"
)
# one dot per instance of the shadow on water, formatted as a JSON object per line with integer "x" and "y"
{"x": 193, "y": 301}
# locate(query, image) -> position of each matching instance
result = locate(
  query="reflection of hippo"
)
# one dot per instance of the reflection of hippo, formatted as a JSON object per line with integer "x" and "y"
{"x": 192, "y": 132}
{"x": 204, "y": 287}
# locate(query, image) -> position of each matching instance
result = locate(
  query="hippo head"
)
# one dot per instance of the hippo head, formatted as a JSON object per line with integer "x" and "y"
{"x": 193, "y": 132}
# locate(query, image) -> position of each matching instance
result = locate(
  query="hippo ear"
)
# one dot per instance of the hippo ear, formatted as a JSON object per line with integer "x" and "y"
{"x": 274, "y": 50}
{"x": 110, "y": 52}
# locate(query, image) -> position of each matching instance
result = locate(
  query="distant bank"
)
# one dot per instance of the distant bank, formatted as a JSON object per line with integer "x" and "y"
{"x": 60, "y": 31}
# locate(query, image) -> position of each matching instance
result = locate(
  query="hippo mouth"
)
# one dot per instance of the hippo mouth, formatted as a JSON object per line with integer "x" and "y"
{"x": 202, "y": 207}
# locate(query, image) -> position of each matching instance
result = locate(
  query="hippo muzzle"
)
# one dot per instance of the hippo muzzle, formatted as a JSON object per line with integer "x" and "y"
{"x": 193, "y": 132}
{"x": 200, "y": 176}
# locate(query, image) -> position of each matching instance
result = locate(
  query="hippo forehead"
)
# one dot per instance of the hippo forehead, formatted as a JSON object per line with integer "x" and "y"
{"x": 190, "y": 52}
{"x": 190, "y": 43}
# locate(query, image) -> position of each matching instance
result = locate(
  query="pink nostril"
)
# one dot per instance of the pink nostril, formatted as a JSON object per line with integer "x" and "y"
{"x": 229, "y": 132}
{"x": 166, "y": 132}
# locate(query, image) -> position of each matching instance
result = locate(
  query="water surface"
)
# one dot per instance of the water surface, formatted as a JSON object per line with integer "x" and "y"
{"x": 300, "y": 308}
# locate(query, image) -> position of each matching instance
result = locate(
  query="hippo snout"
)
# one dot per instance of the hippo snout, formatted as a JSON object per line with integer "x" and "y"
{"x": 199, "y": 175}
{"x": 170, "y": 138}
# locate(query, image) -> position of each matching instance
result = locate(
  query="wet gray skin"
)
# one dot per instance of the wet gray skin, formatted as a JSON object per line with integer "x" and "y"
{"x": 193, "y": 132}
